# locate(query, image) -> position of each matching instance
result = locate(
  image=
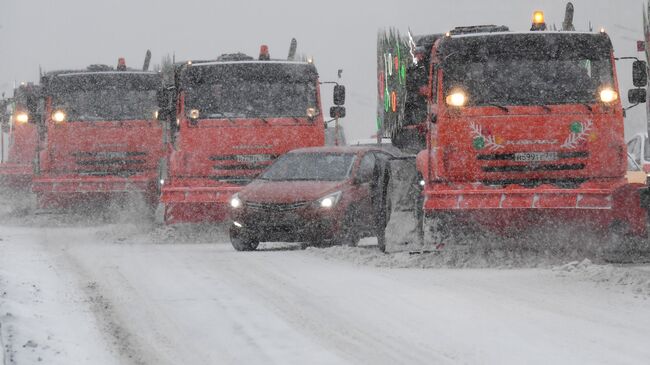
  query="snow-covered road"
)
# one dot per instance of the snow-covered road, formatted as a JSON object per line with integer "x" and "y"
{"x": 108, "y": 294}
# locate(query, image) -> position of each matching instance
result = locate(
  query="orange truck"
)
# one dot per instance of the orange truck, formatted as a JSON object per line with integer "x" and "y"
{"x": 229, "y": 118}
{"x": 20, "y": 128}
{"x": 512, "y": 129}
{"x": 99, "y": 136}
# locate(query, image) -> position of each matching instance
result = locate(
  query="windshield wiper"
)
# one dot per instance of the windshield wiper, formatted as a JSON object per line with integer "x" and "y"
{"x": 546, "y": 107}
{"x": 587, "y": 106}
{"x": 502, "y": 107}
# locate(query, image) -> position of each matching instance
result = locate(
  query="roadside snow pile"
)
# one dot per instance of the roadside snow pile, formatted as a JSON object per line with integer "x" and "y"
{"x": 449, "y": 257}
{"x": 627, "y": 278}
{"x": 151, "y": 233}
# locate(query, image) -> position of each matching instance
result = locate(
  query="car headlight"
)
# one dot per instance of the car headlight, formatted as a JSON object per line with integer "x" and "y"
{"x": 235, "y": 202}
{"x": 329, "y": 200}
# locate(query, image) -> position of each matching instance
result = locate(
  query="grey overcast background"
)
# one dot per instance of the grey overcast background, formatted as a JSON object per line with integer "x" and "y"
{"x": 60, "y": 34}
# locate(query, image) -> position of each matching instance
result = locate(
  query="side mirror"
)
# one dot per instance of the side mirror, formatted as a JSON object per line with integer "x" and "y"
{"x": 164, "y": 99}
{"x": 639, "y": 73}
{"x": 162, "y": 114}
{"x": 339, "y": 95}
{"x": 636, "y": 96}
{"x": 337, "y": 112}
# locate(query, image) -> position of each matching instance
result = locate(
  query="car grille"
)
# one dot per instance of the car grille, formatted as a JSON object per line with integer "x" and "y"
{"x": 275, "y": 207}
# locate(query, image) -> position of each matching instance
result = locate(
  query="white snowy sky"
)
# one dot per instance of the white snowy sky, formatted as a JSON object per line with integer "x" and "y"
{"x": 337, "y": 33}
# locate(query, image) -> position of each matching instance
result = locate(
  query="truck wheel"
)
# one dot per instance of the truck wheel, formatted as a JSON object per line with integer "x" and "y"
{"x": 241, "y": 242}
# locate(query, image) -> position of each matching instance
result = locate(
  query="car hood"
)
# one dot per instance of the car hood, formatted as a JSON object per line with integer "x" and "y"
{"x": 288, "y": 191}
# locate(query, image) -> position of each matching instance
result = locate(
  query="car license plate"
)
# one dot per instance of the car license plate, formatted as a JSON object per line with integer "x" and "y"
{"x": 535, "y": 156}
{"x": 253, "y": 158}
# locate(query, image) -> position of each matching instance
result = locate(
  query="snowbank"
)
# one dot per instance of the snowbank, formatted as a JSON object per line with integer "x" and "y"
{"x": 467, "y": 255}
{"x": 619, "y": 278}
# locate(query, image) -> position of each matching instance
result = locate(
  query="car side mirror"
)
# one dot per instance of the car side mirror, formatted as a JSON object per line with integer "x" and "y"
{"x": 640, "y": 73}
{"x": 637, "y": 96}
{"x": 339, "y": 95}
{"x": 337, "y": 112}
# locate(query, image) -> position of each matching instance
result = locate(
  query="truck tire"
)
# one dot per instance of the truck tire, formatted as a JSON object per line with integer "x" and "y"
{"x": 241, "y": 242}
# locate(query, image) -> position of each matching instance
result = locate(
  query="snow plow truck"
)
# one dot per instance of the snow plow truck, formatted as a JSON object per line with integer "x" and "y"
{"x": 99, "y": 137}
{"x": 509, "y": 132}
{"x": 19, "y": 126}
{"x": 229, "y": 118}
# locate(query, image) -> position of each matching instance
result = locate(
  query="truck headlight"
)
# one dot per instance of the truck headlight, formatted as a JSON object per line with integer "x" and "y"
{"x": 22, "y": 118}
{"x": 235, "y": 202}
{"x": 58, "y": 116}
{"x": 329, "y": 200}
{"x": 456, "y": 98}
{"x": 608, "y": 95}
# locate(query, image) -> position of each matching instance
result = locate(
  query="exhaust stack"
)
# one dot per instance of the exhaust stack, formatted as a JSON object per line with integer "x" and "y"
{"x": 292, "y": 50}
{"x": 147, "y": 59}
{"x": 567, "y": 24}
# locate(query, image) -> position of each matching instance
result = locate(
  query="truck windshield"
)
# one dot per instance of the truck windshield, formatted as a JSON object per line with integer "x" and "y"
{"x": 529, "y": 69}
{"x": 106, "y": 96}
{"x": 251, "y": 90}
{"x": 310, "y": 166}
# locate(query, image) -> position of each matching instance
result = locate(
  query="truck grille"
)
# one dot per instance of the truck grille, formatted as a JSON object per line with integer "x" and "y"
{"x": 275, "y": 207}
{"x": 533, "y": 161}
{"x": 511, "y": 156}
{"x": 106, "y": 163}
{"x": 240, "y": 169}
{"x": 533, "y": 168}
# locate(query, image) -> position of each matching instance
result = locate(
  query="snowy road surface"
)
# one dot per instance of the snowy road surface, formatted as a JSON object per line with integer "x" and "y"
{"x": 106, "y": 294}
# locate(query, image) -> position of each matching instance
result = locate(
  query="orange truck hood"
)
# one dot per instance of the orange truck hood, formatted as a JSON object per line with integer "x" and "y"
{"x": 128, "y": 147}
{"x": 517, "y": 146}
{"x": 224, "y": 150}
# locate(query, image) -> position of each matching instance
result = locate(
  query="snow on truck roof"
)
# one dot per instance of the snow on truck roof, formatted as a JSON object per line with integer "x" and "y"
{"x": 541, "y": 33}
{"x": 77, "y": 73}
{"x": 212, "y": 63}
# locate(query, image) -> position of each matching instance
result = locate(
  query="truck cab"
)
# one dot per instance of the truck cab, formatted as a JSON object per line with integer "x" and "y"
{"x": 521, "y": 129}
{"x": 229, "y": 119}
{"x": 19, "y": 148}
{"x": 99, "y": 136}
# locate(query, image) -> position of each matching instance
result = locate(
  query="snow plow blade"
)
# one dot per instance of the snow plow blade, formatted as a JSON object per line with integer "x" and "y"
{"x": 404, "y": 228}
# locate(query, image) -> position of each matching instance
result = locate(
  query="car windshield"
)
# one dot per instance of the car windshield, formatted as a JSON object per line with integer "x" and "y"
{"x": 310, "y": 166}
{"x": 530, "y": 70}
{"x": 107, "y": 96}
{"x": 251, "y": 90}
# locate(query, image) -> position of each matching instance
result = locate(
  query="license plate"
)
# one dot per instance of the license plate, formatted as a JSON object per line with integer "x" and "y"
{"x": 253, "y": 158}
{"x": 535, "y": 156}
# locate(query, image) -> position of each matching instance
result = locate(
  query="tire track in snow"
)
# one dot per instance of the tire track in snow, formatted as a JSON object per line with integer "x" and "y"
{"x": 305, "y": 312}
{"x": 116, "y": 335}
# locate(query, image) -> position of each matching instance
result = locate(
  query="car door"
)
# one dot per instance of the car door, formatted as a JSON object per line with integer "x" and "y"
{"x": 363, "y": 180}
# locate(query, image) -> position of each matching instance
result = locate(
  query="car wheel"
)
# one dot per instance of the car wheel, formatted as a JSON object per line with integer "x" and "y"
{"x": 241, "y": 242}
